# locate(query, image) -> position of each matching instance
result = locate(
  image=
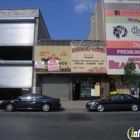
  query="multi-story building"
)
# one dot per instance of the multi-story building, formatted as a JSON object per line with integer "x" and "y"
{"x": 20, "y": 29}
{"x": 120, "y": 28}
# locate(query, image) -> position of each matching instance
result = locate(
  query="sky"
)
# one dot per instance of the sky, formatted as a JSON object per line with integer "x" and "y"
{"x": 65, "y": 19}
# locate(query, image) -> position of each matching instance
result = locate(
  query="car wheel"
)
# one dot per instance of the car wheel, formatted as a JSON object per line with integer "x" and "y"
{"x": 46, "y": 107}
{"x": 100, "y": 108}
{"x": 9, "y": 107}
{"x": 134, "y": 107}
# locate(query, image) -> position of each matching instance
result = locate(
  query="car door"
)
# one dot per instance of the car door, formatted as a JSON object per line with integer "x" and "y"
{"x": 23, "y": 102}
{"x": 113, "y": 102}
{"x": 121, "y": 104}
{"x": 127, "y": 101}
{"x": 36, "y": 101}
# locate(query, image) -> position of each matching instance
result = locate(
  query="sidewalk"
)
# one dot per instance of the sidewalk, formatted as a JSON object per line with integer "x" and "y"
{"x": 73, "y": 104}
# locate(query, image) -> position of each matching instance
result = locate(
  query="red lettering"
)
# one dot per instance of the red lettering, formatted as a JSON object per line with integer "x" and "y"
{"x": 111, "y": 64}
{"x": 122, "y": 65}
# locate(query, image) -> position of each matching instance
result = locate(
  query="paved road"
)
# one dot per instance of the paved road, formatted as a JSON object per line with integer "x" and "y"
{"x": 67, "y": 125}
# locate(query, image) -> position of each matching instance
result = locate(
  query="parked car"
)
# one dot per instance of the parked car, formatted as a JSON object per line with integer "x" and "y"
{"x": 115, "y": 102}
{"x": 32, "y": 101}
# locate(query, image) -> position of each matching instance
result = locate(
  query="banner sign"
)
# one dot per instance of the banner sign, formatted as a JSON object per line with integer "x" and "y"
{"x": 53, "y": 65}
{"x": 39, "y": 64}
{"x": 116, "y": 63}
{"x": 88, "y": 59}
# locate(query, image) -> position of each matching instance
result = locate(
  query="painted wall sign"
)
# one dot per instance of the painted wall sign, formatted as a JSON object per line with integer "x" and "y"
{"x": 88, "y": 59}
{"x": 47, "y": 53}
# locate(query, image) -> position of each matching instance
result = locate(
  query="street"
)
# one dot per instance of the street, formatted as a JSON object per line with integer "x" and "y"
{"x": 67, "y": 125}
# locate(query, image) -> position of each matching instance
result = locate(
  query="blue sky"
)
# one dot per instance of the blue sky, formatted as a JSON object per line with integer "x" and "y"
{"x": 65, "y": 19}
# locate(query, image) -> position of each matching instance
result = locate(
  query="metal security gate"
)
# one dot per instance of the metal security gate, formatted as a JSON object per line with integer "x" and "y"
{"x": 19, "y": 34}
{"x": 56, "y": 86}
{"x": 16, "y": 74}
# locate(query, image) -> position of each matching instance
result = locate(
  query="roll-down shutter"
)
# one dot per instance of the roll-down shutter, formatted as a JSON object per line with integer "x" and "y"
{"x": 15, "y": 74}
{"x": 56, "y": 86}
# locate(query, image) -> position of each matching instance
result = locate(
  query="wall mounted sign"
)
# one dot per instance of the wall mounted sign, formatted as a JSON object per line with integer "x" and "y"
{"x": 48, "y": 53}
{"x": 122, "y": 21}
{"x": 88, "y": 59}
{"x": 53, "y": 65}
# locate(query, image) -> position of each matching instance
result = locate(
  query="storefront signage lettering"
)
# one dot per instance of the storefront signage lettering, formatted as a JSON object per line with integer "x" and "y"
{"x": 136, "y": 20}
{"x": 97, "y": 70}
{"x": 86, "y": 59}
{"x": 132, "y": 6}
{"x": 63, "y": 54}
{"x": 43, "y": 53}
{"x": 136, "y": 31}
{"x": 121, "y": 65}
{"x": 133, "y": 58}
{"x": 128, "y": 51}
{"x": 60, "y": 63}
{"x": 136, "y": 44}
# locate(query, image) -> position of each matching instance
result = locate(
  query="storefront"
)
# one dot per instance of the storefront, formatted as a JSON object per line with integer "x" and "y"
{"x": 53, "y": 67}
{"x": 86, "y": 87}
{"x": 117, "y": 85}
{"x": 71, "y": 70}
{"x": 88, "y": 62}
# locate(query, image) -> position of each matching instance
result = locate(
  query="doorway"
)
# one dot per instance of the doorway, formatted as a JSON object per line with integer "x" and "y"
{"x": 76, "y": 90}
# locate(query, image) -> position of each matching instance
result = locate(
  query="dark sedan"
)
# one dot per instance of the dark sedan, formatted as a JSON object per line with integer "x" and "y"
{"x": 115, "y": 102}
{"x": 32, "y": 101}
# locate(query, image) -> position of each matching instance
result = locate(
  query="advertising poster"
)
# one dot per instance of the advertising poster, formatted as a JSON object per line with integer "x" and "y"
{"x": 46, "y": 56}
{"x": 88, "y": 59}
{"x": 122, "y": 18}
{"x": 39, "y": 64}
{"x": 53, "y": 65}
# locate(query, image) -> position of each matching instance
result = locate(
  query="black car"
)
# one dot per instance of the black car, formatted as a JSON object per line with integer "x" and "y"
{"x": 32, "y": 101}
{"x": 115, "y": 102}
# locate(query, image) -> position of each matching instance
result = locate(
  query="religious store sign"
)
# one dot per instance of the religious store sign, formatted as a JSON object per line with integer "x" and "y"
{"x": 86, "y": 57}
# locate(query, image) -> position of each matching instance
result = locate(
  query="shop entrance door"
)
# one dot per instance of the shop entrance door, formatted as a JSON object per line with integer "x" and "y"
{"x": 76, "y": 90}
